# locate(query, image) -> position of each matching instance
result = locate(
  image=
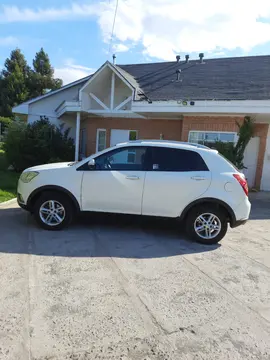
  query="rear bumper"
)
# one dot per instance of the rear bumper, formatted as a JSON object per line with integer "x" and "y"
{"x": 238, "y": 223}
{"x": 241, "y": 213}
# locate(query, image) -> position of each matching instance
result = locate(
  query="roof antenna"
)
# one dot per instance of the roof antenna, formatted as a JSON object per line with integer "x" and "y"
{"x": 114, "y": 57}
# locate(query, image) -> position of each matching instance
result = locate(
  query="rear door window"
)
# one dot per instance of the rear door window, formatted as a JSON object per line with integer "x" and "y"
{"x": 172, "y": 159}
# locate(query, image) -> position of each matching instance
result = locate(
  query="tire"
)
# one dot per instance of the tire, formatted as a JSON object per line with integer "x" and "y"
{"x": 62, "y": 208}
{"x": 219, "y": 224}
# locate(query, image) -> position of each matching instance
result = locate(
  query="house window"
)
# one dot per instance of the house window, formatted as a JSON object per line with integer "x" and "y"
{"x": 209, "y": 138}
{"x": 101, "y": 140}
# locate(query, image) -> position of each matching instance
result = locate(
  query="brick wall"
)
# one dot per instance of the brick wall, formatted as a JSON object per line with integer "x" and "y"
{"x": 147, "y": 129}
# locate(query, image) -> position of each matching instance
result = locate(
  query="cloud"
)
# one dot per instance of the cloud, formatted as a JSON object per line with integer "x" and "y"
{"x": 70, "y": 72}
{"x": 120, "y": 48}
{"x": 167, "y": 27}
{"x": 9, "y": 40}
{"x": 163, "y": 28}
{"x": 10, "y": 14}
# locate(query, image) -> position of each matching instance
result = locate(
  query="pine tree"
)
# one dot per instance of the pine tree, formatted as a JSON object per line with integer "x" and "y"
{"x": 42, "y": 77}
{"x": 13, "y": 82}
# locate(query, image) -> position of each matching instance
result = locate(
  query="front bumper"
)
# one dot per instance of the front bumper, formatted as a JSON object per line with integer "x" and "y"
{"x": 21, "y": 203}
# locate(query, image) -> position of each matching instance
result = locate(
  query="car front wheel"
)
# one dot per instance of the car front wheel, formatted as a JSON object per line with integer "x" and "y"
{"x": 206, "y": 225}
{"x": 53, "y": 211}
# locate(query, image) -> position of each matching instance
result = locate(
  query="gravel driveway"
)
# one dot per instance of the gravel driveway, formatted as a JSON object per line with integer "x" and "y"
{"x": 115, "y": 287}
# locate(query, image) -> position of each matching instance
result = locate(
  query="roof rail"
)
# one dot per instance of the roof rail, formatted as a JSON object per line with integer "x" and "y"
{"x": 199, "y": 146}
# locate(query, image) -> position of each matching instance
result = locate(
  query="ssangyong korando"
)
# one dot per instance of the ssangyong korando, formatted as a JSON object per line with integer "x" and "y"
{"x": 185, "y": 181}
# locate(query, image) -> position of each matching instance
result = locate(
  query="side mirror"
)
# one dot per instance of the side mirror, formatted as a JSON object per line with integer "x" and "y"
{"x": 92, "y": 164}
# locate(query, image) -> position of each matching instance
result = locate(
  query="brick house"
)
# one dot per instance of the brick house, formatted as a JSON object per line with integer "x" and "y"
{"x": 198, "y": 101}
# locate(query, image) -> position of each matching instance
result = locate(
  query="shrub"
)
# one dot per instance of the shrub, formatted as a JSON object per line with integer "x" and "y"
{"x": 235, "y": 153}
{"x": 3, "y": 160}
{"x": 37, "y": 143}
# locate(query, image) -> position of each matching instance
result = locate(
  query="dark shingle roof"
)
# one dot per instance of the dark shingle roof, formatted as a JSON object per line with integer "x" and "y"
{"x": 239, "y": 78}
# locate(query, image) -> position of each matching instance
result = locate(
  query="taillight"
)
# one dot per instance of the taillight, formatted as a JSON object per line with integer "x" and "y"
{"x": 243, "y": 182}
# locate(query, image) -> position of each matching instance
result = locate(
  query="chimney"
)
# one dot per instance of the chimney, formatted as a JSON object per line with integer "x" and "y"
{"x": 201, "y": 56}
{"x": 114, "y": 57}
{"x": 187, "y": 58}
{"x": 178, "y": 71}
{"x": 177, "y": 58}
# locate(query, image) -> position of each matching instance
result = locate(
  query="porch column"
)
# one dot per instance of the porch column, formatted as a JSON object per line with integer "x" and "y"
{"x": 77, "y": 138}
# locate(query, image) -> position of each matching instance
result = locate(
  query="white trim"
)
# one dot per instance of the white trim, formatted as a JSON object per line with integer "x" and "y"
{"x": 94, "y": 76}
{"x": 97, "y": 138}
{"x": 67, "y": 106}
{"x": 99, "y": 101}
{"x": 21, "y": 109}
{"x": 114, "y": 69}
{"x": 241, "y": 107}
{"x": 123, "y": 103}
{"x": 112, "y": 89}
{"x": 122, "y": 77}
{"x": 77, "y": 138}
{"x": 107, "y": 112}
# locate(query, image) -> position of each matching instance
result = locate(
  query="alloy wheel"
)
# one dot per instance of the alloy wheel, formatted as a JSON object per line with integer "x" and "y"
{"x": 52, "y": 212}
{"x": 207, "y": 226}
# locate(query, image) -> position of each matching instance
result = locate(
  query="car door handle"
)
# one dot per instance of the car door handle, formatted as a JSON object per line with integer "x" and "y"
{"x": 132, "y": 177}
{"x": 198, "y": 178}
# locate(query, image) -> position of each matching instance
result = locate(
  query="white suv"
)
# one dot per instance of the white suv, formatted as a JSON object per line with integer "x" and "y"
{"x": 158, "y": 178}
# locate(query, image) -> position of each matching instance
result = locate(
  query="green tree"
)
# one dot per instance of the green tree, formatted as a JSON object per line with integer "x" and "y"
{"x": 16, "y": 58}
{"x": 13, "y": 83}
{"x": 42, "y": 76}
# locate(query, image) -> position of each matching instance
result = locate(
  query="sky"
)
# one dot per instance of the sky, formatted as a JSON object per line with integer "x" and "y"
{"x": 77, "y": 34}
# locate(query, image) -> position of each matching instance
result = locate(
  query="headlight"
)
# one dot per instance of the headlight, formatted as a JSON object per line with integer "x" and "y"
{"x": 28, "y": 176}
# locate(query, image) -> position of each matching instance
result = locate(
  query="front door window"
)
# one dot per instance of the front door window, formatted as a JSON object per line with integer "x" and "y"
{"x": 131, "y": 158}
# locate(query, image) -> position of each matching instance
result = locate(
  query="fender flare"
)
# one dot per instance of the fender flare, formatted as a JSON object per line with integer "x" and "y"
{"x": 232, "y": 218}
{"x": 52, "y": 188}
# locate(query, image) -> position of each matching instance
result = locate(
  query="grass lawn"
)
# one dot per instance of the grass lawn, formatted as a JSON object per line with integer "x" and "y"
{"x": 8, "y": 184}
{"x": 8, "y": 180}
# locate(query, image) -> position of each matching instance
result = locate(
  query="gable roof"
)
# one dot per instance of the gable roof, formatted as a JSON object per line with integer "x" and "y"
{"x": 237, "y": 78}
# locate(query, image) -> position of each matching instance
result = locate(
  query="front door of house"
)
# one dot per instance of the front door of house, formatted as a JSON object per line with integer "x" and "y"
{"x": 120, "y": 136}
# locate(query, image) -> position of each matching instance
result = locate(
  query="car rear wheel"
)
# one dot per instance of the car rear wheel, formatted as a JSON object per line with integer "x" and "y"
{"x": 53, "y": 211}
{"x": 206, "y": 224}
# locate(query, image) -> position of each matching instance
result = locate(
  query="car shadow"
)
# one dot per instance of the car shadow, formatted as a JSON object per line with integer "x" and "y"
{"x": 260, "y": 205}
{"x": 97, "y": 235}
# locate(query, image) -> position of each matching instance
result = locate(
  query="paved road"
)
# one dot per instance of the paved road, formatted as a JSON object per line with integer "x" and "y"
{"x": 122, "y": 288}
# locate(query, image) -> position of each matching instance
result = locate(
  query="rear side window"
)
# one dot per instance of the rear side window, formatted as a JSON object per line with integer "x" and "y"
{"x": 170, "y": 159}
